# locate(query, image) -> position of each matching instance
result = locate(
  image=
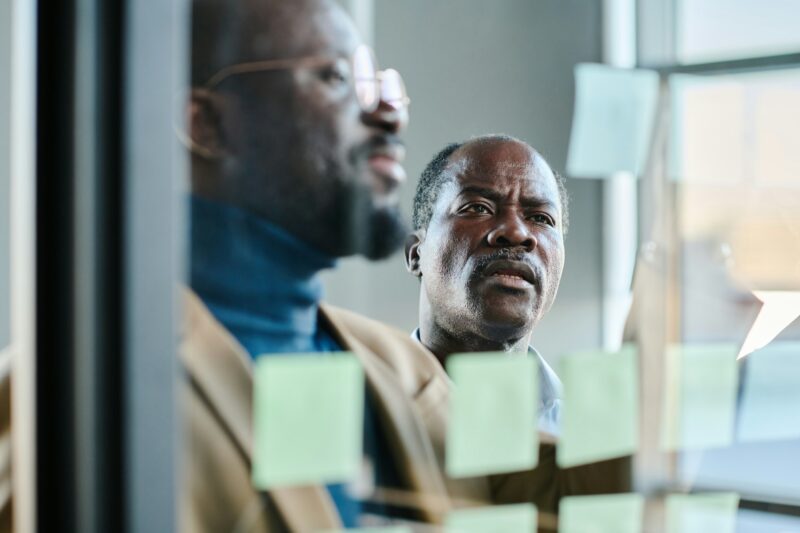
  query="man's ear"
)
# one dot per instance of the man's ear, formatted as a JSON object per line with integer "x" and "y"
{"x": 204, "y": 122}
{"x": 412, "y": 252}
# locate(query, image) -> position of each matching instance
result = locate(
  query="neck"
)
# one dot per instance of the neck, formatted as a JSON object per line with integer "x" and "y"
{"x": 262, "y": 283}
{"x": 443, "y": 340}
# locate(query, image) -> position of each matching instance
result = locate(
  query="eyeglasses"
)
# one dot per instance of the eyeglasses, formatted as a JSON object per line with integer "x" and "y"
{"x": 370, "y": 85}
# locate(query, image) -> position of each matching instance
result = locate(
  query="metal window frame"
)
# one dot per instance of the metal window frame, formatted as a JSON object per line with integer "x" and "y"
{"x": 731, "y": 66}
{"x": 107, "y": 263}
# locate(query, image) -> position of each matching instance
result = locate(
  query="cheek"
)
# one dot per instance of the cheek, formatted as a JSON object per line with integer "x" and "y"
{"x": 445, "y": 260}
{"x": 347, "y": 131}
{"x": 554, "y": 263}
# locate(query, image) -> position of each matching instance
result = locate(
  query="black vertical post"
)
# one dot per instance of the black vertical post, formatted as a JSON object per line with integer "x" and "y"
{"x": 80, "y": 269}
{"x": 54, "y": 333}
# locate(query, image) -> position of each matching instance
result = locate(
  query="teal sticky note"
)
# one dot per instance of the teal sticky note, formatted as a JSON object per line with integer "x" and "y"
{"x": 770, "y": 408}
{"x": 600, "y": 409}
{"x": 519, "y": 518}
{"x": 612, "y": 513}
{"x": 700, "y": 396}
{"x": 613, "y": 120}
{"x": 308, "y": 412}
{"x": 701, "y": 513}
{"x": 493, "y": 409}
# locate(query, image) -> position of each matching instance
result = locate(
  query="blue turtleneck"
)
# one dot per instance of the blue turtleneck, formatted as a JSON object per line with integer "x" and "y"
{"x": 264, "y": 286}
{"x": 260, "y": 282}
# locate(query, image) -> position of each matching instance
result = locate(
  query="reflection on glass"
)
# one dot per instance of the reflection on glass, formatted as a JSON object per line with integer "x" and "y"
{"x": 770, "y": 400}
{"x": 779, "y": 309}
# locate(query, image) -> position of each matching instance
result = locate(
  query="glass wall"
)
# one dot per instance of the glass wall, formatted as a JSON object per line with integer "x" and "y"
{"x": 321, "y": 266}
{"x": 723, "y": 217}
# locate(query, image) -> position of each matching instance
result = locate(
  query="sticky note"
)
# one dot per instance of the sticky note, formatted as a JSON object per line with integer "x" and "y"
{"x": 308, "y": 412}
{"x": 389, "y": 529}
{"x": 700, "y": 396}
{"x": 600, "y": 409}
{"x": 701, "y": 513}
{"x": 613, "y": 513}
{"x": 612, "y": 125}
{"x": 770, "y": 405}
{"x": 520, "y": 518}
{"x": 493, "y": 409}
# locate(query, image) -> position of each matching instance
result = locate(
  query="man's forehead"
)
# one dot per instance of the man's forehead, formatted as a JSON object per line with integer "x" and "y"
{"x": 280, "y": 29}
{"x": 501, "y": 165}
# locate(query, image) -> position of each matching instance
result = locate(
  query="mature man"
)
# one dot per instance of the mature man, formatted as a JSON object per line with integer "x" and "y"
{"x": 488, "y": 247}
{"x": 295, "y": 162}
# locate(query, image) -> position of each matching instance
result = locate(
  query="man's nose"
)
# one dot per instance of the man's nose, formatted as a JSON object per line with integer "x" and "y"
{"x": 512, "y": 230}
{"x": 388, "y": 117}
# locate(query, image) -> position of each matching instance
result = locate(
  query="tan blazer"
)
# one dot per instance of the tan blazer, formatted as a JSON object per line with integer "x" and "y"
{"x": 5, "y": 440}
{"x": 411, "y": 389}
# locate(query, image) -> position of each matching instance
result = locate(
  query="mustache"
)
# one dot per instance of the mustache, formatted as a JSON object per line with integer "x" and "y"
{"x": 505, "y": 254}
{"x": 377, "y": 142}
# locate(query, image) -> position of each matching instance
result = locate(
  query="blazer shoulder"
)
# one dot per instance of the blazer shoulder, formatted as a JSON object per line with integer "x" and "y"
{"x": 407, "y": 357}
{"x": 363, "y": 326}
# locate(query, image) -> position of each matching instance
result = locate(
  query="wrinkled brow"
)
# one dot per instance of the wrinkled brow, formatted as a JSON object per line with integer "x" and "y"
{"x": 497, "y": 197}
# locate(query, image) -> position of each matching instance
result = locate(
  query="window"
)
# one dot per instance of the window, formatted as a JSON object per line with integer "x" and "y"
{"x": 714, "y": 30}
{"x": 728, "y": 200}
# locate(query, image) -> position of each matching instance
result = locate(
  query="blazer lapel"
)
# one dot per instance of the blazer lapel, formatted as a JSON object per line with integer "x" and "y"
{"x": 222, "y": 370}
{"x": 412, "y": 448}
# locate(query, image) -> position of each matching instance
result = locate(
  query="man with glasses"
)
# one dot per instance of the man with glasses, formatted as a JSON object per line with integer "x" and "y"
{"x": 296, "y": 161}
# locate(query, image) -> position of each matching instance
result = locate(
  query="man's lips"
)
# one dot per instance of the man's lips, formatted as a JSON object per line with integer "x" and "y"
{"x": 515, "y": 274}
{"x": 386, "y": 161}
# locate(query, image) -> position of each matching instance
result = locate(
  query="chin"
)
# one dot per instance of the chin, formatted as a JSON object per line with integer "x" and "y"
{"x": 384, "y": 234}
{"x": 504, "y": 325}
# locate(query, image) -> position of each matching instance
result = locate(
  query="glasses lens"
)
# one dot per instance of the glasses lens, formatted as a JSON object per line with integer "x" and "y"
{"x": 393, "y": 90}
{"x": 366, "y": 78}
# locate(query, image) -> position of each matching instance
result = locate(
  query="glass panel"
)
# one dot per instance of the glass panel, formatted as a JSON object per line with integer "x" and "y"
{"x": 293, "y": 173}
{"x": 736, "y": 160}
{"x": 294, "y": 176}
{"x": 713, "y": 30}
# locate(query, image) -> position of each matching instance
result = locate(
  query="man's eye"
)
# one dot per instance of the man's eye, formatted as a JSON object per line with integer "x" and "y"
{"x": 540, "y": 218}
{"x": 478, "y": 209}
{"x": 334, "y": 74}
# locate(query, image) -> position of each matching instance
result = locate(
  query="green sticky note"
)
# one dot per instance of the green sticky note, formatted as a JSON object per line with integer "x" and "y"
{"x": 600, "y": 411}
{"x": 702, "y": 513}
{"x": 771, "y": 394}
{"x": 700, "y": 397}
{"x": 493, "y": 409}
{"x": 613, "y": 513}
{"x": 389, "y": 529}
{"x": 308, "y": 412}
{"x": 613, "y": 122}
{"x": 520, "y": 518}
